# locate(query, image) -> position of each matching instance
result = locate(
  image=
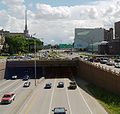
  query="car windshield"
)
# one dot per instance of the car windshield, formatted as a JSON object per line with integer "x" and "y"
{"x": 59, "y": 110}
{"x": 6, "y": 96}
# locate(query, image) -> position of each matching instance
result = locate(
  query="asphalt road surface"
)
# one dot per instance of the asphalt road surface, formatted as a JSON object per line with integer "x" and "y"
{"x": 37, "y": 100}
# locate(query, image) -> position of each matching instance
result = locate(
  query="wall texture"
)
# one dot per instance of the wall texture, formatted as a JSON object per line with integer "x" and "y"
{"x": 2, "y": 70}
{"x": 99, "y": 76}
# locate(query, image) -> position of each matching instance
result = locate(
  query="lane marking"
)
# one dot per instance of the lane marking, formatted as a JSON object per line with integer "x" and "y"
{"x": 50, "y": 106}
{"x": 4, "y": 82}
{"x": 85, "y": 102}
{"x": 9, "y": 85}
{"x": 68, "y": 100}
{"x": 17, "y": 87}
{"x": 82, "y": 95}
{"x": 30, "y": 99}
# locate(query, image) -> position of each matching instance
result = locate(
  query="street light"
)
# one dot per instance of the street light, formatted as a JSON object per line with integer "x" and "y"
{"x": 35, "y": 59}
{"x": 35, "y": 62}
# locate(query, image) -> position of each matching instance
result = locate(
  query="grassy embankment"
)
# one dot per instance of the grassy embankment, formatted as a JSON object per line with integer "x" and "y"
{"x": 110, "y": 101}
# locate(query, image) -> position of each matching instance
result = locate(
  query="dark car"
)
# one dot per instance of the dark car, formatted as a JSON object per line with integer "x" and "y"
{"x": 26, "y": 84}
{"x": 48, "y": 85}
{"x": 104, "y": 61}
{"x": 60, "y": 84}
{"x": 72, "y": 85}
{"x": 26, "y": 77}
{"x": 59, "y": 110}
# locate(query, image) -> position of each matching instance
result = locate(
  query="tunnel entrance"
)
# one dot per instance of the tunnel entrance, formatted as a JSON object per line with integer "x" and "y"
{"x": 47, "y": 72}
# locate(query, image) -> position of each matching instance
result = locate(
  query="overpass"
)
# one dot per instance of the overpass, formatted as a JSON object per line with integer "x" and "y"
{"x": 48, "y": 69}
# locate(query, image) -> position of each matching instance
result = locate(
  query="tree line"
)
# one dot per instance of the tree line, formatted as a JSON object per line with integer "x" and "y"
{"x": 17, "y": 44}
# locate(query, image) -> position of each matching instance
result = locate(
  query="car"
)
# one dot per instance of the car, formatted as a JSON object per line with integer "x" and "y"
{"x": 8, "y": 98}
{"x": 60, "y": 84}
{"x": 72, "y": 85}
{"x": 104, "y": 61}
{"x": 110, "y": 63}
{"x": 48, "y": 85}
{"x": 26, "y": 77}
{"x": 59, "y": 110}
{"x": 14, "y": 77}
{"x": 117, "y": 65}
{"x": 26, "y": 84}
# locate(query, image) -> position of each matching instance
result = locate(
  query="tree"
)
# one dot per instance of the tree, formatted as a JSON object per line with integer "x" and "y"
{"x": 19, "y": 44}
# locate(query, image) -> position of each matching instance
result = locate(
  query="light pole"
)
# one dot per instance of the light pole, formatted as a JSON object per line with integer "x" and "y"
{"x": 35, "y": 61}
{"x": 92, "y": 45}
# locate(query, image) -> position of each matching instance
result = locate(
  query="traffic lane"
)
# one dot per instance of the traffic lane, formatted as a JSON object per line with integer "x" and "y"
{"x": 21, "y": 95}
{"x": 9, "y": 87}
{"x": 16, "y": 104}
{"x": 6, "y": 83}
{"x": 76, "y": 101}
{"x": 91, "y": 103}
{"x": 39, "y": 100}
{"x": 43, "y": 97}
{"x": 60, "y": 98}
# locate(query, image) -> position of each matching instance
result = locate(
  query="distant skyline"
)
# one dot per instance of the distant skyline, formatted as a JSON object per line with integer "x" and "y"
{"x": 55, "y": 20}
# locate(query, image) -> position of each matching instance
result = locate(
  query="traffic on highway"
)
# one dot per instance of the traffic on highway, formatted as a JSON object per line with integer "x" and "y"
{"x": 50, "y": 96}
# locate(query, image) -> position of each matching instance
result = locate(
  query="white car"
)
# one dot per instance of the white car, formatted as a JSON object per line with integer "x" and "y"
{"x": 14, "y": 77}
{"x": 26, "y": 84}
{"x": 117, "y": 65}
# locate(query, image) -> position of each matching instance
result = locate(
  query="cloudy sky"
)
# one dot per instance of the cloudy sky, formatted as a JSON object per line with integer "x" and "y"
{"x": 54, "y": 21}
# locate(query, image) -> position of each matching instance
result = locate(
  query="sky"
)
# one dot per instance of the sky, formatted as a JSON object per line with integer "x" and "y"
{"x": 54, "y": 21}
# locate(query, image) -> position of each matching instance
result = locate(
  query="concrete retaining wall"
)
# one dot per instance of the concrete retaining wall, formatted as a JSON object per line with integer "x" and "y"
{"x": 86, "y": 70}
{"x": 2, "y": 70}
{"x": 99, "y": 76}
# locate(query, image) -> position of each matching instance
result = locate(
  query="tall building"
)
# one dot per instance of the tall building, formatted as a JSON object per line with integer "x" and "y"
{"x": 108, "y": 34}
{"x": 117, "y": 30}
{"x": 87, "y": 36}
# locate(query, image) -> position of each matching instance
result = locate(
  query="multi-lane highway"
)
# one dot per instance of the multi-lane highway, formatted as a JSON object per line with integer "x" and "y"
{"x": 37, "y": 100}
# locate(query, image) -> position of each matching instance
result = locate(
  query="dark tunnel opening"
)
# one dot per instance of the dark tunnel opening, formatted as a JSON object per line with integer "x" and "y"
{"x": 47, "y": 72}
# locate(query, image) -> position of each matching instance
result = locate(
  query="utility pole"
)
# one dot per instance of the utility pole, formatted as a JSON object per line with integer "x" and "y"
{"x": 92, "y": 45}
{"x": 35, "y": 61}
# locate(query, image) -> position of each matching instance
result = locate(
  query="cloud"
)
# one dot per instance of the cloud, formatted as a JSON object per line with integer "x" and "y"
{"x": 58, "y": 23}
{"x": 15, "y": 8}
{"x": 4, "y": 18}
{"x": 47, "y": 12}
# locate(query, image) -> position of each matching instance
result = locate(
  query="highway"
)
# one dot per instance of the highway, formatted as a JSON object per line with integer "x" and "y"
{"x": 37, "y": 100}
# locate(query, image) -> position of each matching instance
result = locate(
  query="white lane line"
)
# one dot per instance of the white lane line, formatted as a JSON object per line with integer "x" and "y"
{"x": 3, "y": 83}
{"x": 85, "y": 102}
{"x": 29, "y": 98}
{"x": 83, "y": 97}
{"x": 9, "y": 86}
{"x": 68, "y": 100}
{"x": 50, "y": 106}
{"x": 17, "y": 88}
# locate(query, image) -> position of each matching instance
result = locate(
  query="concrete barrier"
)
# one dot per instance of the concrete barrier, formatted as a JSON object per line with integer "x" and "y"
{"x": 100, "y": 76}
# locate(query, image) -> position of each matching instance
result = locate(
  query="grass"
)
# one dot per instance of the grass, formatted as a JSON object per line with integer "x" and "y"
{"x": 3, "y": 57}
{"x": 110, "y": 101}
